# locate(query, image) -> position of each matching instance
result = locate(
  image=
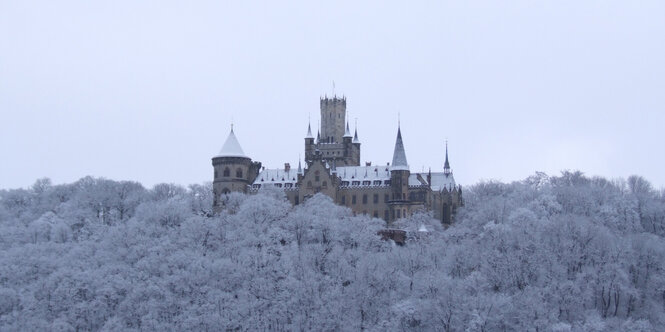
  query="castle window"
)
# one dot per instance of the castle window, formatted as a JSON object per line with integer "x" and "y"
{"x": 225, "y": 191}
{"x": 343, "y": 200}
{"x": 387, "y": 182}
{"x": 365, "y": 199}
{"x": 404, "y": 196}
{"x": 278, "y": 185}
{"x": 309, "y": 184}
{"x": 353, "y": 199}
{"x": 325, "y": 184}
{"x": 386, "y": 198}
{"x": 377, "y": 183}
{"x": 399, "y": 214}
{"x": 256, "y": 186}
{"x": 227, "y": 172}
{"x": 215, "y": 174}
{"x": 376, "y": 198}
{"x": 288, "y": 185}
{"x": 355, "y": 183}
{"x": 386, "y": 215}
{"x": 239, "y": 173}
{"x": 345, "y": 183}
{"x": 367, "y": 183}
{"x": 317, "y": 178}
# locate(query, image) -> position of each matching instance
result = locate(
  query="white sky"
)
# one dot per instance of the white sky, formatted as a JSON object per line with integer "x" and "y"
{"x": 146, "y": 90}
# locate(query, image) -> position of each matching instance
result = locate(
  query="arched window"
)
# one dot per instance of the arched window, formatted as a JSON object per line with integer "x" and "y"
{"x": 309, "y": 184}
{"x": 227, "y": 172}
{"x": 226, "y": 191}
{"x": 239, "y": 173}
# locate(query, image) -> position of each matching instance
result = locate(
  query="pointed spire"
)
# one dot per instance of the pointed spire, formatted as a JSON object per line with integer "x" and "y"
{"x": 299, "y": 166}
{"x": 231, "y": 147}
{"x": 399, "y": 156}
{"x": 347, "y": 133}
{"x": 318, "y": 136}
{"x": 446, "y": 164}
{"x": 309, "y": 131}
{"x": 355, "y": 136}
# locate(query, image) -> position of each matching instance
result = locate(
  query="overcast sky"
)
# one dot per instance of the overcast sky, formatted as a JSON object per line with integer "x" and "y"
{"x": 146, "y": 90}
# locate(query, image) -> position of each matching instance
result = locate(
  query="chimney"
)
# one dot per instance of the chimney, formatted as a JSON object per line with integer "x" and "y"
{"x": 287, "y": 167}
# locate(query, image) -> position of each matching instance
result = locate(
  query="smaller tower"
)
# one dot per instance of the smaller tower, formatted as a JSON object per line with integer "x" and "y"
{"x": 234, "y": 171}
{"x": 399, "y": 181}
{"x": 309, "y": 143}
{"x": 355, "y": 149}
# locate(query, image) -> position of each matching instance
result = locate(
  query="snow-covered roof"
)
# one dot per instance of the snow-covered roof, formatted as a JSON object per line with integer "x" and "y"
{"x": 363, "y": 173}
{"x": 278, "y": 175}
{"x": 414, "y": 181}
{"x": 231, "y": 147}
{"x": 399, "y": 156}
{"x": 442, "y": 181}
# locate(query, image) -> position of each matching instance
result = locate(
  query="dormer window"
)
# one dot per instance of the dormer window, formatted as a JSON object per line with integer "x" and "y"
{"x": 345, "y": 183}
{"x": 366, "y": 183}
{"x": 377, "y": 182}
{"x": 355, "y": 183}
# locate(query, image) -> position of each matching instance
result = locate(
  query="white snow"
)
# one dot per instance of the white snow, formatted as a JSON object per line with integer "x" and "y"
{"x": 231, "y": 147}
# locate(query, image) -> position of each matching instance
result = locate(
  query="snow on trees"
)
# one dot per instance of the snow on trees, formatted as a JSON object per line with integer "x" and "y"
{"x": 560, "y": 253}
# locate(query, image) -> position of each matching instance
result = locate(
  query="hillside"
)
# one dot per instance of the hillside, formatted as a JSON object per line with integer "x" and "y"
{"x": 560, "y": 253}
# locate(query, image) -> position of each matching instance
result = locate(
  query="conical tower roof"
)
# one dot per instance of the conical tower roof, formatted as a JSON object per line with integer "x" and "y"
{"x": 347, "y": 133}
{"x": 309, "y": 131}
{"x": 399, "y": 156}
{"x": 231, "y": 147}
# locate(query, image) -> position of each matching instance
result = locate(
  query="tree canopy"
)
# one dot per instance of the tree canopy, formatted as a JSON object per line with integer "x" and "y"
{"x": 548, "y": 253}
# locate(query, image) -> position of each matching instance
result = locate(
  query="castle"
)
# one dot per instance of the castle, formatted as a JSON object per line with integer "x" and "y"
{"x": 333, "y": 168}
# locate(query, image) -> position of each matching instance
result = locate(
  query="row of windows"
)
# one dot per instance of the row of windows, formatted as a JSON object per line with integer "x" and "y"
{"x": 227, "y": 172}
{"x": 365, "y": 198}
{"x": 278, "y": 185}
{"x": 366, "y": 183}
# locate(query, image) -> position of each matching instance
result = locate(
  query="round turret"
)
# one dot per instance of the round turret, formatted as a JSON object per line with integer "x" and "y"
{"x": 233, "y": 169}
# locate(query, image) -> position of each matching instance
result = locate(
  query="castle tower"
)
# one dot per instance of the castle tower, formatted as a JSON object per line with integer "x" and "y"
{"x": 310, "y": 146}
{"x": 234, "y": 171}
{"x": 333, "y": 114}
{"x": 399, "y": 181}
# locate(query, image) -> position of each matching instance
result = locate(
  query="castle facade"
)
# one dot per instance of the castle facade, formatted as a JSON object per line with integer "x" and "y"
{"x": 332, "y": 167}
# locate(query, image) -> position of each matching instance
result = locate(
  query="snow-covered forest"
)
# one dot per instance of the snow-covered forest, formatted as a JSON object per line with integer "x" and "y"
{"x": 560, "y": 253}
